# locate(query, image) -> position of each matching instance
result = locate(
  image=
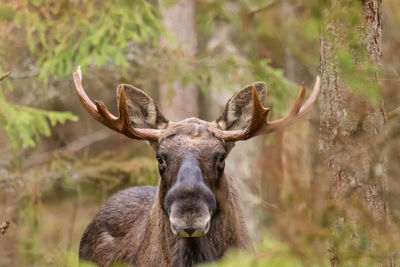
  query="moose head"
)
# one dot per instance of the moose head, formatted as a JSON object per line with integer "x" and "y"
{"x": 191, "y": 153}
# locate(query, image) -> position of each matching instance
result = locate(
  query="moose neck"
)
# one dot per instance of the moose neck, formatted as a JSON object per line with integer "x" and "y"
{"x": 225, "y": 225}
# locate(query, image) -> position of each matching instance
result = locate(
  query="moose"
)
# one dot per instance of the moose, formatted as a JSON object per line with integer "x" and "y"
{"x": 194, "y": 214}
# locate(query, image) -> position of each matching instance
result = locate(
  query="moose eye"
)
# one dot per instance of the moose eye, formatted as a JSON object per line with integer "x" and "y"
{"x": 161, "y": 164}
{"x": 160, "y": 160}
{"x": 221, "y": 158}
{"x": 220, "y": 164}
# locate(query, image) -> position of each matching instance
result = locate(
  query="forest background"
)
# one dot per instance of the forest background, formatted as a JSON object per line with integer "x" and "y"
{"x": 310, "y": 198}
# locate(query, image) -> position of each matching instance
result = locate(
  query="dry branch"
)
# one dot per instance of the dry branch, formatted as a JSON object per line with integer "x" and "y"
{"x": 393, "y": 113}
{"x": 75, "y": 146}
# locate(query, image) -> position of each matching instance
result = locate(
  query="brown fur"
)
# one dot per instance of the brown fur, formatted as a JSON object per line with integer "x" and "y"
{"x": 134, "y": 225}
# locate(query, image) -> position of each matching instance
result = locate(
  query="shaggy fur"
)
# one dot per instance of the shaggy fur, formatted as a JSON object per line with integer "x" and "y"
{"x": 133, "y": 226}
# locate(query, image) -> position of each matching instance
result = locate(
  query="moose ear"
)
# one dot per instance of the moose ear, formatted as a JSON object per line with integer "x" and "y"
{"x": 237, "y": 112}
{"x": 143, "y": 112}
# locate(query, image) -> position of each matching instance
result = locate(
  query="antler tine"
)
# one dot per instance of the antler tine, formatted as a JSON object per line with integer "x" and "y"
{"x": 4, "y": 75}
{"x": 313, "y": 97}
{"x": 136, "y": 133}
{"x": 258, "y": 123}
{"x": 122, "y": 123}
{"x": 258, "y": 117}
{"x": 298, "y": 110}
{"x": 85, "y": 100}
{"x": 299, "y": 101}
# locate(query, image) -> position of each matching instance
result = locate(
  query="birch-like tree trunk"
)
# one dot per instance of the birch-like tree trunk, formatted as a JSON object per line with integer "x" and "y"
{"x": 181, "y": 100}
{"x": 352, "y": 126}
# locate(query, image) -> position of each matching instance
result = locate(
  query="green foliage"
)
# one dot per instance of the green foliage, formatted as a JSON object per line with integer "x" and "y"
{"x": 311, "y": 29}
{"x": 273, "y": 253}
{"x": 361, "y": 78}
{"x": 168, "y": 3}
{"x": 71, "y": 259}
{"x": 47, "y": 198}
{"x": 270, "y": 253}
{"x": 64, "y": 34}
{"x": 29, "y": 248}
{"x": 240, "y": 64}
{"x": 225, "y": 71}
{"x": 280, "y": 89}
{"x": 24, "y": 125}
{"x": 348, "y": 34}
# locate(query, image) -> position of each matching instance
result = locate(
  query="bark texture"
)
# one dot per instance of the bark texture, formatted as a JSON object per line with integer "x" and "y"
{"x": 181, "y": 100}
{"x": 350, "y": 125}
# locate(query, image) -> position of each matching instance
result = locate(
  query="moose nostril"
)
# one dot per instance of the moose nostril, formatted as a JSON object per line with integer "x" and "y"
{"x": 190, "y": 231}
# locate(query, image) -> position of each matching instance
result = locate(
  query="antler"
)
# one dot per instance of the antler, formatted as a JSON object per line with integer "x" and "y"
{"x": 258, "y": 122}
{"x": 122, "y": 123}
{"x": 4, "y": 75}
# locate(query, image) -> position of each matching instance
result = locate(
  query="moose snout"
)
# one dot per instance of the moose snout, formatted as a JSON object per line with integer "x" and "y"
{"x": 185, "y": 230}
{"x": 190, "y": 203}
{"x": 193, "y": 223}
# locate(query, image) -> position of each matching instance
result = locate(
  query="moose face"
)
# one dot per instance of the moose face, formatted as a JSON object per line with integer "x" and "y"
{"x": 191, "y": 161}
{"x": 191, "y": 152}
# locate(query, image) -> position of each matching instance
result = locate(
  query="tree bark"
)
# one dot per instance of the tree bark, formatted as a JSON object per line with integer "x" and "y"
{"x": 181, "y": 100}
{"x": 351, "y": 125}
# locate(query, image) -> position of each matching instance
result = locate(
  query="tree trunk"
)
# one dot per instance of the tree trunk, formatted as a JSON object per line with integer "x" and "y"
{"x": 351, "y": 125}
{"x": 180, "y": 100}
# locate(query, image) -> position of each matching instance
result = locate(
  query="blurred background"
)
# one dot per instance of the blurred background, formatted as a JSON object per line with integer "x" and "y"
{"x": 310, "y": 199}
